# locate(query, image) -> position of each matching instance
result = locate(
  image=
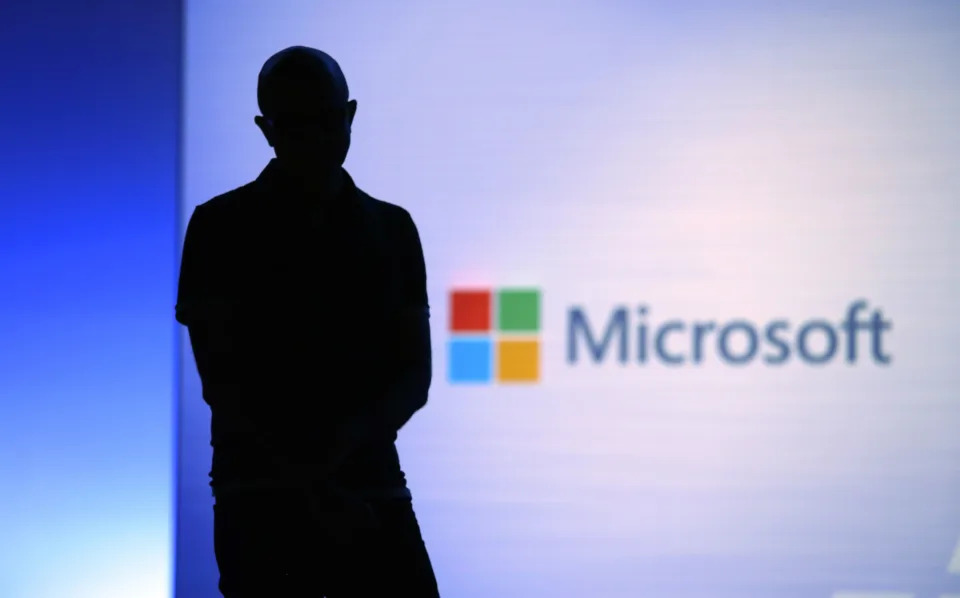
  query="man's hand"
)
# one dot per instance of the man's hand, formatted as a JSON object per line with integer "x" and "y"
{"x": 349, "y": 435}
{"x": 345, "y": 517}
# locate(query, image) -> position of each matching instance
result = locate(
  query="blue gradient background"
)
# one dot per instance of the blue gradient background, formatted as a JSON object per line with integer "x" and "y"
{"x": 712, "y": 160}
{"x": 89, "y": 94}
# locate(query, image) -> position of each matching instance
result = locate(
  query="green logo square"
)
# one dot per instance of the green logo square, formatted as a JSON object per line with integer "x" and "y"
{"x": 518, "y": 310}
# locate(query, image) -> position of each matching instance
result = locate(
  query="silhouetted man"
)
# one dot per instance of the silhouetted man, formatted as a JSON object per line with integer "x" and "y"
{"x": 306, "y": 304}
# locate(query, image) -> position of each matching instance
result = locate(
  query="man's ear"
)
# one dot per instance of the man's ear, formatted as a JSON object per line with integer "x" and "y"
{"x": 266, "y": 127}
{"x": 351, "y": 111}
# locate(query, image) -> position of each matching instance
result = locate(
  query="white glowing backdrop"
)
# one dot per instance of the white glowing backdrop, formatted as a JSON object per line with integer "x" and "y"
{"x": 714, "y": 162}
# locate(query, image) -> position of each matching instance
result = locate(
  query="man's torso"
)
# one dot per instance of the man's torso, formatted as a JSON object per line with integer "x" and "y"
{"x": 309, "y": 284}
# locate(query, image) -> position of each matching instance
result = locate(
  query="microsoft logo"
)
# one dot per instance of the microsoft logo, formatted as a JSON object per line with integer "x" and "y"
{"x": 495, "y": 336}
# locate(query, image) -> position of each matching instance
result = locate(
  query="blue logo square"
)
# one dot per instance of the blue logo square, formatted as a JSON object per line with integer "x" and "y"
{"x": 470, "y": 360}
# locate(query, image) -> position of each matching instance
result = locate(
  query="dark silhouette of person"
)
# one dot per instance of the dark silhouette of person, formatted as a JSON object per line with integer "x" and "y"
{"x": 306, "y": 305}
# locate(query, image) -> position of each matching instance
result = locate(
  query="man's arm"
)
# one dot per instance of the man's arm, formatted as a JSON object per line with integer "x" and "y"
{"x": 192, "y": 264}
{"x": 193, "y": 290}
{"x": 198, "y": 307}
{"x": 411, "y": 358}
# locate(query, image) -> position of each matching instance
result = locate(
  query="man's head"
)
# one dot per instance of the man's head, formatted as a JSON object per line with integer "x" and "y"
{"x": 306, "y": 113}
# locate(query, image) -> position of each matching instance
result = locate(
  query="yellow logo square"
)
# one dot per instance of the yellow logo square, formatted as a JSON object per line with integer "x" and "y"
{"x": 518, "y": 360}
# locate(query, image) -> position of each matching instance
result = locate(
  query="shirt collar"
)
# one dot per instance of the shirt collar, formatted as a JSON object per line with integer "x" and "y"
{"x": 272, "y": 178}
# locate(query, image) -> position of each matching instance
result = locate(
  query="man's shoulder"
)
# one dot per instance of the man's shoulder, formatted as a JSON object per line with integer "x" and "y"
{"x": 383, "y": 208}
{"x": 392, "y": 214}
{"x": 231, "y": 200}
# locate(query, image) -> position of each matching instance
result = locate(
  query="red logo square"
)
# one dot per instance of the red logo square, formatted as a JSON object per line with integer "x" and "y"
{"x": 470, "y": 311}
